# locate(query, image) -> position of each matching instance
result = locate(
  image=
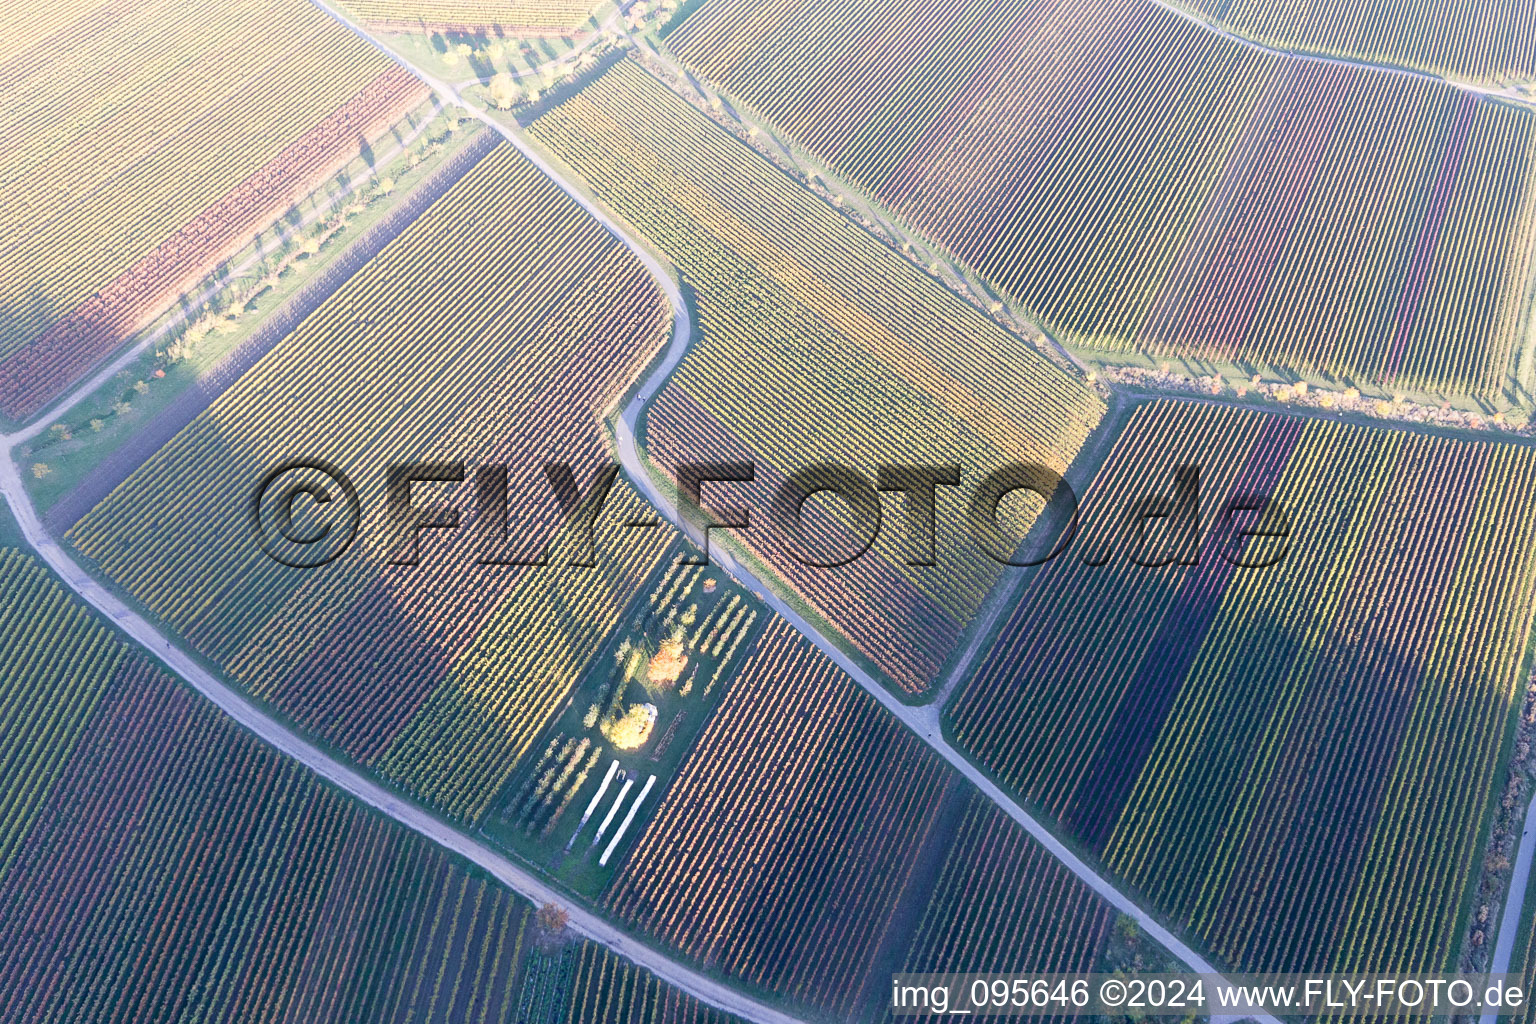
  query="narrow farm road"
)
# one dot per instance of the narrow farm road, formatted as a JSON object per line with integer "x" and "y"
{"x": 1514, "y": 903}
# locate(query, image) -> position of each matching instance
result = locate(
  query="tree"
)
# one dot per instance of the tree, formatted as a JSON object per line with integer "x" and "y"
{"x": 503, "y": 90}
{"x": 552, "y": 918}
{"x": 667, "y": 666}
{"x": 631, "y": 731}
{"x": 40, "y": 470}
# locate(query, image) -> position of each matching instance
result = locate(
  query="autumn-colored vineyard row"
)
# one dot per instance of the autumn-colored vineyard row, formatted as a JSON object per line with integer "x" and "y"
{"x": 463, "y": 743}
{"x": 1369, "y": 226}
{"x": 124, "y": 177}
{"x": 496, "y": 329}
{"x": 1294, "y": 762}
{"x": 798, "y": 309}
{"x": 1002, "y": 903}
{"x": 1491, "y": 43}
{"x": 780, "y": 851}
{"x": 1138, "y": 182}
{"x": 68, "y": 347}
{"x": 161, "y": 865}
{"x": 608, "y": 990}
{"x": 48, "y": 700}
{"x": 526, "y": 15}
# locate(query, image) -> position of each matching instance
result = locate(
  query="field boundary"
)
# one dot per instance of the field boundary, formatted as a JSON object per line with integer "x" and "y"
{"x": 396, "y": 806}
{"x": 180, "y": 311}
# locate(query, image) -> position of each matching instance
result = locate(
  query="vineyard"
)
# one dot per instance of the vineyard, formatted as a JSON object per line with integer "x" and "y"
{"x": 1479, "y": 42}
{"x": 608, "y": 990}
{"x": 59, "y": 696}
{"x": 780, "y": 852}
{"x": 1407, "y": 261}
{"x": 1001, "y": 903}
{"x": 498, "y": 328}
{"x": 1293, "y": 763}
{"x": 513, "y": 16}
{"x": 203, "y": 123}
{"x": 1141, "y": 184}
{"x": 161, "y": 865}
{"x": 797, "y": 308}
